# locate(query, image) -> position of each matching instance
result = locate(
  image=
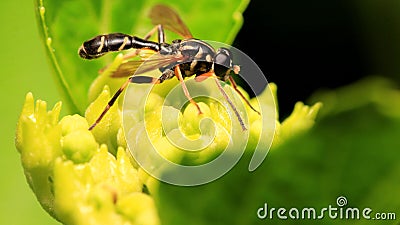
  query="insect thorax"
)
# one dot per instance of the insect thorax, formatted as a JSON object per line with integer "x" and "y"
{"x": 200, "y": 57}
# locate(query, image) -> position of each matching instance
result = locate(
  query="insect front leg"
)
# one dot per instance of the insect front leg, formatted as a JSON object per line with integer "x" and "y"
{"x": 221, "y": 89}
{"x": 234, "y": 85}
{"x": 178, "y": 74}
{"x": 209, "y": 74}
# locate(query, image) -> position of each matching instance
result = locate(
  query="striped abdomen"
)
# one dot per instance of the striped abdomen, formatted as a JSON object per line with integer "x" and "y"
{"x": 100, "y": 45}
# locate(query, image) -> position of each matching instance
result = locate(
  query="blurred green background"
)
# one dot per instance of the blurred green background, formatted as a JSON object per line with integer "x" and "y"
{"x": 25, "y": 68}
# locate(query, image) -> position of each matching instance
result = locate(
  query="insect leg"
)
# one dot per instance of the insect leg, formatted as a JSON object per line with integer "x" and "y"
{"x": 161, "y": 39}
{"x": 110, "y": 103}
{"x": 221, "y": 89}
{"x": 202, "y": 77}
{"x": 234, "y": 85}
{"x": 178, "y": 74}
{"x": 161, "y": 34}
{"x": 133, "y": 79}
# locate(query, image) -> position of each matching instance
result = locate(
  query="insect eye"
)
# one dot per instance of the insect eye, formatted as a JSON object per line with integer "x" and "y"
{"x": 223, "y": 57}
{"x": 224, "y": 51}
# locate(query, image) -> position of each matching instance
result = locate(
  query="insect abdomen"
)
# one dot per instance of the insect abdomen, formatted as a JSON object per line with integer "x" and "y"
{"x": 100, "y": 45}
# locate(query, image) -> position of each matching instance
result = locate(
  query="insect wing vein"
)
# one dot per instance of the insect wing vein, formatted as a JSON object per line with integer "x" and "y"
{"x": 142, "y": 66}
{"x": 161, "y": 14}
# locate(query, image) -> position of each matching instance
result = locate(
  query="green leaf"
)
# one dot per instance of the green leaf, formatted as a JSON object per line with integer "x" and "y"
{"x": 65, "y": 25}
{"x": 351, "y": 153}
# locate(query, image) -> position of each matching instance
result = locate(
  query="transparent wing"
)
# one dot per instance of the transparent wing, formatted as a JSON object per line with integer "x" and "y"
{"x": 164, "y": 15}
{"x": 157, "y": 61}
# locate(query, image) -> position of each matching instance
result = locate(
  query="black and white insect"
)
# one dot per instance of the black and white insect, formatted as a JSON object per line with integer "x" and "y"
{"x": 182, "y": 58}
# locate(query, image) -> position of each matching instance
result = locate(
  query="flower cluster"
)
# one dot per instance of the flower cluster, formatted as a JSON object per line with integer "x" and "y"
{"x": 89, "y": 177}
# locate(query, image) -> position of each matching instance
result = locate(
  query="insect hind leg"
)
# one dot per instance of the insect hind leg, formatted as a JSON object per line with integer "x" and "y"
{"x": 161, "y": 39}
{"x": 133, "y": 79}
{"x": 110, "y": 103}
{"x": 160, "y": 31}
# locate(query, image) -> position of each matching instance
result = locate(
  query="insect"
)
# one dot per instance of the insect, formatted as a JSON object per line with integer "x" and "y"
{"x": 182, "y": 58}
